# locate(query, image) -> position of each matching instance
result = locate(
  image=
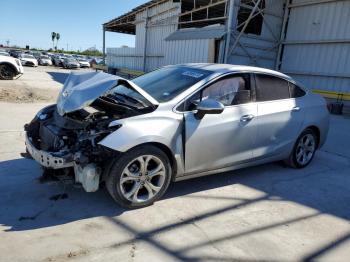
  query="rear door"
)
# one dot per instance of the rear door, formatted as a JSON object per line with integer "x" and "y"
{"x": 280, "y": 116}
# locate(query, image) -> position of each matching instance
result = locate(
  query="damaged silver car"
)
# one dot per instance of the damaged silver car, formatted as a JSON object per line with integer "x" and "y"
{"x": 174, "y": 123}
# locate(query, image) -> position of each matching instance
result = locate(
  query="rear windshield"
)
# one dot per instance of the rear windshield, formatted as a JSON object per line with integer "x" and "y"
{"x": 166, "y": 83}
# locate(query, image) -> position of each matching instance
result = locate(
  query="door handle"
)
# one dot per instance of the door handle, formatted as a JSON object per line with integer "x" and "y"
{"x": 247, "y": 118}
{"x": 296, "y": 108}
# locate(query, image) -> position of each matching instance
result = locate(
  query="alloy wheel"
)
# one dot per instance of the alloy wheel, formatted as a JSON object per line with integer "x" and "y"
{"x": 305, "y": 149}
{"x": 142, "y": 178}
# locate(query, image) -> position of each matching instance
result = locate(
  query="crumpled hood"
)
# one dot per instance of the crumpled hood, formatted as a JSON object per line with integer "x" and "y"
{"x": 82, "y": 89}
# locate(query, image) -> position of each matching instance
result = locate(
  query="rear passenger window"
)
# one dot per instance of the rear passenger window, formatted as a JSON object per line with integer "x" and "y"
{"x": 295, "y": 91}
{"x": 270, "y": 88}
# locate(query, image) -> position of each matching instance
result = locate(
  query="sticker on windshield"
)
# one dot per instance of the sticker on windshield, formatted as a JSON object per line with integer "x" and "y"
{"x": 192, "y": 74}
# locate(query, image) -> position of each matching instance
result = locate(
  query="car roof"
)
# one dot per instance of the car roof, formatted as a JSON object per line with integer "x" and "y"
{"x": 226, "y": 68}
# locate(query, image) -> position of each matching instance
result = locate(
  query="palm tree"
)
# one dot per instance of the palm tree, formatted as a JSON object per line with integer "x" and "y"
{"x": 53, "y": 37}
{"x": 57, "y": 38}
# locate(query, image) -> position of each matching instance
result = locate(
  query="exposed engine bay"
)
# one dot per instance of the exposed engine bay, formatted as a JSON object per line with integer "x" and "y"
{"x": 70, "y": 141}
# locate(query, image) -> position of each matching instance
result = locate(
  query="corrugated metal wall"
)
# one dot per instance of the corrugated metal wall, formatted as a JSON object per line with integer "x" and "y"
{"x": 317, "y": 45}
{"x": 190, "y": 51}
{"x": 124, "y": 58}
{"x": 260, "y": 50}
{"x": 163, "y": 20}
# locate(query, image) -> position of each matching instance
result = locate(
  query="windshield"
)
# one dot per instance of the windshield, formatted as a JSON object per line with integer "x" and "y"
{"x": 4, "y": 54}
{"x": 44, "y": 57}
{"x": 71, "y": 60}
{"x": 166, "y": 83}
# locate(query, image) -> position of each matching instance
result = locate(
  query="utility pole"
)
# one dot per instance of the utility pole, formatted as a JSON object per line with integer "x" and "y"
{"x": 8, "y": 42}
{"x": 67, "y": 47}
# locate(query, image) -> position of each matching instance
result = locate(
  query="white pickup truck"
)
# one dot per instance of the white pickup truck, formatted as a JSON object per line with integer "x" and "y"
{"x": 10, "y": 67}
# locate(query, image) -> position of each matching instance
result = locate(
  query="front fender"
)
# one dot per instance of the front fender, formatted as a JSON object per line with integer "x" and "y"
{"x": 134, "y": 132}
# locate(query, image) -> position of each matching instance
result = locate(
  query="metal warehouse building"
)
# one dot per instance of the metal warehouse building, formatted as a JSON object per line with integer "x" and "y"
{"x": 307, "y": 39}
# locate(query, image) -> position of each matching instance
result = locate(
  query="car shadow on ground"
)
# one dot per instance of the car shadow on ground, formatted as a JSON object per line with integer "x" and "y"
{"x": 27, "y": 204}
{"x": 59, "y": 77}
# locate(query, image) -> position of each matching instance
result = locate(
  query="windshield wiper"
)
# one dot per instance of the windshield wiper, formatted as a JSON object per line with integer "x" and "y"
{"x": 121, "y": 102}
{"x": 134, "y": 100}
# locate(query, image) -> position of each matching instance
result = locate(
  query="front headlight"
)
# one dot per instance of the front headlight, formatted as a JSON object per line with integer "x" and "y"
{"x": 18, "y": 62}
{"x": 44, "y": 112}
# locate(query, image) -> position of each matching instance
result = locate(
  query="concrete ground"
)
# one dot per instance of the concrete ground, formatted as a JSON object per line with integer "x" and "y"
{"x": 265, "y": 213}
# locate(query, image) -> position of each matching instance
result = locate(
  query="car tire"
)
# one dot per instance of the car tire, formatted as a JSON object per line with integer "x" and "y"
{"x": 304, "y": 149}
{"x": 132, "y": 188}
{"x": 7, "y": 72}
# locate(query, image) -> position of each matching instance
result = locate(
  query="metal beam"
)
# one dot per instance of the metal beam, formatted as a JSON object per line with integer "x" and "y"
{"x": 256, "y": 7}
{"x": 145, "y": 42}
{"x": 203, "y": 20}
{"x": 322, "y": 41}
{"x": 230, "y": 25}
{"x": 315, "y": 2}
{"x": 265, "y": 11}
{"x": 282, "y": 35}
{"x": 322, "y": 74}
{"x": 256, "y": 57}
{"x": 104, "y": 45}
{"x": 203, "y": 7}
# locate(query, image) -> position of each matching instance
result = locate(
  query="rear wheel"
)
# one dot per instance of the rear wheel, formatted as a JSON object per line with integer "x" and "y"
{"x": 139, "y": 177}
{"x": 304, "y": 149}
{"x": 7, "y": 72}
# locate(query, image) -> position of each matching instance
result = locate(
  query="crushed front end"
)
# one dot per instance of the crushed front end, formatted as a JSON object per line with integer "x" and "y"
{"x": 66, "y": 136}
{"x": 71, "y": 142}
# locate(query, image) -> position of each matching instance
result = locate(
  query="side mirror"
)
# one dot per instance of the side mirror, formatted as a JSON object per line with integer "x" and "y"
{"x": 209, "y": 106}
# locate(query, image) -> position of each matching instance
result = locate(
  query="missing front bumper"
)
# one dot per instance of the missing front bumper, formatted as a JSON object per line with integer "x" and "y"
{"x": 48, "y": 159}
{"x": 88, "y": 176}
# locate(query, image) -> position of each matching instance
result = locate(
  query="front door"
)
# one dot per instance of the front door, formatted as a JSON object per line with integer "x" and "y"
{"x": 221, "y": 140}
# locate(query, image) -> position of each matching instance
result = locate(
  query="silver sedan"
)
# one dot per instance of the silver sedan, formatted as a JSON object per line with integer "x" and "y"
{"x": 175, "y": 123}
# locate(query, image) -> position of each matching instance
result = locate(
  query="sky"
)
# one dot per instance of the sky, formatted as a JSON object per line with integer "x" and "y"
{"x": 79, "y": 22}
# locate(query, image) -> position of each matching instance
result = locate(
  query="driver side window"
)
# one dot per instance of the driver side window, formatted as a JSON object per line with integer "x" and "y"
{"x": 229, "y": 90}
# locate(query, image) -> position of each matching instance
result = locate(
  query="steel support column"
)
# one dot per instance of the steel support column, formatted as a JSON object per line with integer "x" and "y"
{"x": 282, "y": 35}
{"x": 256, "y": 7}
{"x": 104, "y": 45}
{"x": 230, "y": 26}
{"x": 145, "y": 43}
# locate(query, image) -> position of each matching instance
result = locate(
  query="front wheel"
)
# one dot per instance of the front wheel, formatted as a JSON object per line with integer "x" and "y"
{"x": 139, "y": 177}
{"x": 7, "y": 72}
{"x": 304, "y": 149}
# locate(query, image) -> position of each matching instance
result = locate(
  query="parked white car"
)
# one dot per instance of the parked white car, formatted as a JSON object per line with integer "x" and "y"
{"x": 83, "y": 62}
{"x": 44, "y": 60}
{"x": 4, "y": 53}
{"x": 28, "y": 60}
{"x": 10, "y": 67}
